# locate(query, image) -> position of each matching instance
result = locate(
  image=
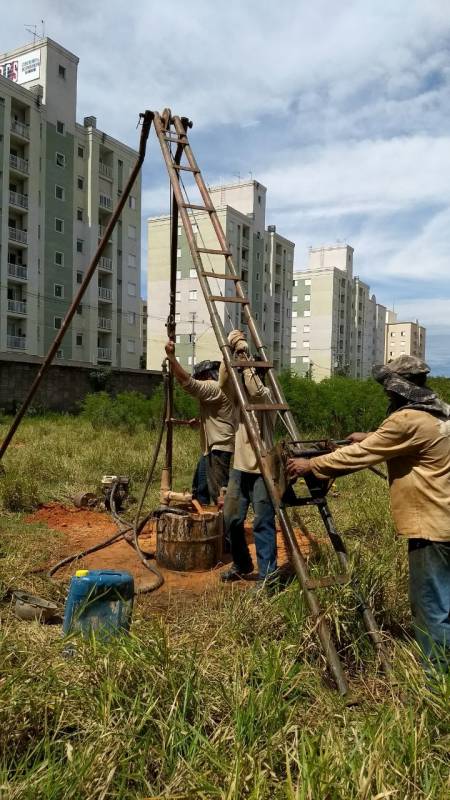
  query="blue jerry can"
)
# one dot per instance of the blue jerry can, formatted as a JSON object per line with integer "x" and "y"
{"x": 99, "y": 601}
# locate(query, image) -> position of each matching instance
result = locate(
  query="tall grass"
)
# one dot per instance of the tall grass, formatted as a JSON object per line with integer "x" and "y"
{"x": 224, "y": 697}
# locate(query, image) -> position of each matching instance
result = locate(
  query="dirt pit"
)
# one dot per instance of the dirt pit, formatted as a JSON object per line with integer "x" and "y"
{"x": 83, "y": 529}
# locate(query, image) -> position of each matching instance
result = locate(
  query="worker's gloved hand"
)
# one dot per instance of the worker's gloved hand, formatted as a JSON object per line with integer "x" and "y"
{"x": 357, "y": 436}
{"x": 238, "y": 343}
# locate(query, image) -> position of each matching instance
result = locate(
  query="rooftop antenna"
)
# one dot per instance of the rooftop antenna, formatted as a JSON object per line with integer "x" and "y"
{"x": 34, "y": 32}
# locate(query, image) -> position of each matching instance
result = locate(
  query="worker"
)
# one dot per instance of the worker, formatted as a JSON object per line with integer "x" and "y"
{"x": 246, "y": 486}
{"x": 414, "y": 440}
{"x": 216, "y": 425}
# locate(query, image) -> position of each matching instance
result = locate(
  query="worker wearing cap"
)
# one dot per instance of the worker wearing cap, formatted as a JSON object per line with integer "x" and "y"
{"x": 414, "y": 441}
{"x": 216, "y": 425}
{"x": 246, "y": 486}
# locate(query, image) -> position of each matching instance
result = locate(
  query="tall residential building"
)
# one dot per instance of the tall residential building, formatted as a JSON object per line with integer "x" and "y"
{"x": 263, "y": 258}
{"x": 337, "y": 326}
{"x": 143, "y": 324}
{"x": 59, "y": 182}
{"x": 404, "y": 337}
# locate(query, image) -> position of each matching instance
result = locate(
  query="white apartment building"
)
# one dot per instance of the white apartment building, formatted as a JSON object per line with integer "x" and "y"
{"x": 337, "y": 326}
{"x": 404, "y": 337}
{"x": 263, "y": 259}
{"x": 59, "y": 183}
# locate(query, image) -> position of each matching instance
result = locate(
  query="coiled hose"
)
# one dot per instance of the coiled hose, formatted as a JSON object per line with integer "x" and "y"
{"x": 138, "y": 525}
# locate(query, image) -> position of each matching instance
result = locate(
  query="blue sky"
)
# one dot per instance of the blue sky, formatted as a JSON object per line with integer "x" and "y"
{"x": 341, "y": 109}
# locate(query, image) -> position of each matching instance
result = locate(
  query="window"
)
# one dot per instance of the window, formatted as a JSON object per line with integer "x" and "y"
{"x": 59, "y": 259}
{"x": 392, "y": 333}
{"x": 57, "y": 322}
{"x": 391, "y": 353}
{"x": 305, "y": 359}
{"x": 178, "y": 253}
{"x": 305, "y": 343}
{"x": 58, "y": 290}
{"x": 177, "y": 297}
{"x": 80, "y": 309}
{"x": 177, "y": 316}
{"x": 60, "y": 127}
{"x": 79, "y": 245}
{"x": 307, "y": 282}
{"x": 294, "y": 329}
{"x": 60, "y": 354}
{"x": 195, "y": 229}
{"x": 177, "y": 339}
{"x": 60, "y": 160}
{"x": 79, "y": 277}
{"x": 178, "y": 274}
{"x": 192, "y": 273}
{"x": 294, "y": 298}
{"x": 130, "y": 346}
{"x": 62, "y": 72}
{"x": 59, "y": 225}
{"x": 402, "y": 333}
{"x": 193, "y": 294}
{"x": 307, "y": 313}
{"x": 80, "y": 214}
{"x": 293, "y": 343}
{"x": 307, "y": 297}
{"x": 79, "y": 340}
{"x": 293, "y": 360}
{"x": 306, "y": 328}
{"x": 132, "y": 202}
{"x": 59, "y": 192}
{"x": 295, "y": 283}
{"x": 131, "y": 260}
{"x": 80, "y": 151}
{"x": 80, "y": 182}
{"x": 294, "y": 315}
{"x": 131, "y": 289}
{"x": 131, "y": 231}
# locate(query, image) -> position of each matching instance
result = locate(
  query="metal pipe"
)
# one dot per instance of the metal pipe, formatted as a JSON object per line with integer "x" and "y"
{"x": 147, "y": 118}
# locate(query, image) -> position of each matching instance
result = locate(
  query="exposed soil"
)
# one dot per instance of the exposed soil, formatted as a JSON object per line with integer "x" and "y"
{"x": 83, "y": 529}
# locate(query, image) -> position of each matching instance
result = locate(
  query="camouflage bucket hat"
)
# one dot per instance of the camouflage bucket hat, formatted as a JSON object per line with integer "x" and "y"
{"x": 206, "y": 366}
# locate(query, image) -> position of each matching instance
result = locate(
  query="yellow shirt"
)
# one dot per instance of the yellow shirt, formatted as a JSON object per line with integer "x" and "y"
{"x": 216, "y": 415}
{"x": 416, "y": 447}
{"x": 244, "y": 456}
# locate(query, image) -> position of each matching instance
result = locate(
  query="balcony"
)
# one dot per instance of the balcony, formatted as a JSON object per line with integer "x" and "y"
{"x": 101, "y": 233}
{"x": 17, "y": 307}
{"x": 104, "y": 324}
{"x": 105, "y": 202}
{"x": 105, "y": 171}
{"x": 105, "y": 263}
{"x": 20, "y": 128}
{"x": 18, "y": 271}
{"x": 105, "y": 294}
{"x": 17, "y": 235}
{"x": 16, "y": 342}
{"x": 19, "y": 164}
{"x": 18, "y": 200}
{"x": 104, "y": 353}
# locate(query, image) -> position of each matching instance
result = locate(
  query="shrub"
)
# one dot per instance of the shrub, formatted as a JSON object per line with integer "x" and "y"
{"x": 18, "y": 492}
{"x": 130, "y": 411}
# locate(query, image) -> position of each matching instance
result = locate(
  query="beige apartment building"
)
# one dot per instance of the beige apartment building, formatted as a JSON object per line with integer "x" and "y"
{"x": 59, "y": 183}
{"x": 337, "y": 327}
{"x": 404, "y": 337}
{"x": 263, "y": 259}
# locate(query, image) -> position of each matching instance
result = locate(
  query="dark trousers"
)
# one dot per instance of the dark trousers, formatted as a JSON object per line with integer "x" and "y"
{"x": 247, "y": 488}
{"x": 429, "y": 592}
{"x": 212, "y": 472}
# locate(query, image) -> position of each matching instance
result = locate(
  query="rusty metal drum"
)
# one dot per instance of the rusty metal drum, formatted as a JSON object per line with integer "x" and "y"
{"x": 190, "y": 543}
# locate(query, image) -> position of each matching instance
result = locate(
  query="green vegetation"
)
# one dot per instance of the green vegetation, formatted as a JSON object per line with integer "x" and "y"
{"x": 223, "y": 697}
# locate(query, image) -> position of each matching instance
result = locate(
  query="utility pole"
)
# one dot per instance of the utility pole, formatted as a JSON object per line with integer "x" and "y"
{"x": 193, "y": 317}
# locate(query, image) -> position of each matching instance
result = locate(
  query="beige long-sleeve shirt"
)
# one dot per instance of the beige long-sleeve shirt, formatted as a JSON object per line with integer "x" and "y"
{"x": 416, "y": 448}
{"x": 244, "y": 456}
{"x": 217, "y": 417}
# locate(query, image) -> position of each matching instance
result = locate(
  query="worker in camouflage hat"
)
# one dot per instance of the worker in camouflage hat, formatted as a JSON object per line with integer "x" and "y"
{"x": 414, "y": 440}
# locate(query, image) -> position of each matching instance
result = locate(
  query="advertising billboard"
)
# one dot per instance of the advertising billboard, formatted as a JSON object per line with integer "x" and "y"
{"x": 22, "y": 68}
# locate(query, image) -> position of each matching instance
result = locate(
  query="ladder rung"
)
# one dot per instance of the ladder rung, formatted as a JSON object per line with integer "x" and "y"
{"x": 198, "y": 208}
{"x": 185, "y": 169}
{"x": 266, "y": 406}
{"x": 246, "y": 363}
{"x": 214, "y": 252}
{"x": 219, "y": 298}
{"x": 329, "y": 580}
{"x": 175, "y": 141}
{"x": 221, "y": 276}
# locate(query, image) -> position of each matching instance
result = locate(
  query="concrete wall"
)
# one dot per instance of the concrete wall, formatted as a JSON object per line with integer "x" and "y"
{"x": 65, "y": 386}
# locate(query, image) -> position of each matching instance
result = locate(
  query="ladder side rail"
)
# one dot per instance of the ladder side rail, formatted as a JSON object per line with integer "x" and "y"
{"x": 252, "y": 428}
{"x": 259, "y": 344}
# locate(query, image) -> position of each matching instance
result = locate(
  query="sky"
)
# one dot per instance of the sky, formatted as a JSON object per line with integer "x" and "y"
{"x": 341, "y": 109}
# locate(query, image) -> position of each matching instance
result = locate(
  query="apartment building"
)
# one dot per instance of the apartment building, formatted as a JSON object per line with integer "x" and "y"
{"x": 263, "y": 259}
{"x": 59, "y": 183}
{"x": 338, "y": 327}
{"x": 143, "y": 325}
{"x": 404, "y": 337}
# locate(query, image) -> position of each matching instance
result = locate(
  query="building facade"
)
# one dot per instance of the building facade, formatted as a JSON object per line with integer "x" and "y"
{"x": 59, "y": 183}
{"x": 404, "y": 337}
{"x": 263, "y": 259}
{"x": 337, "y": 326}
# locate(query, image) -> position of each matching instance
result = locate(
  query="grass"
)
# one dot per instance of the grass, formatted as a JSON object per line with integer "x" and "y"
{"x": 229, "y": 699}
